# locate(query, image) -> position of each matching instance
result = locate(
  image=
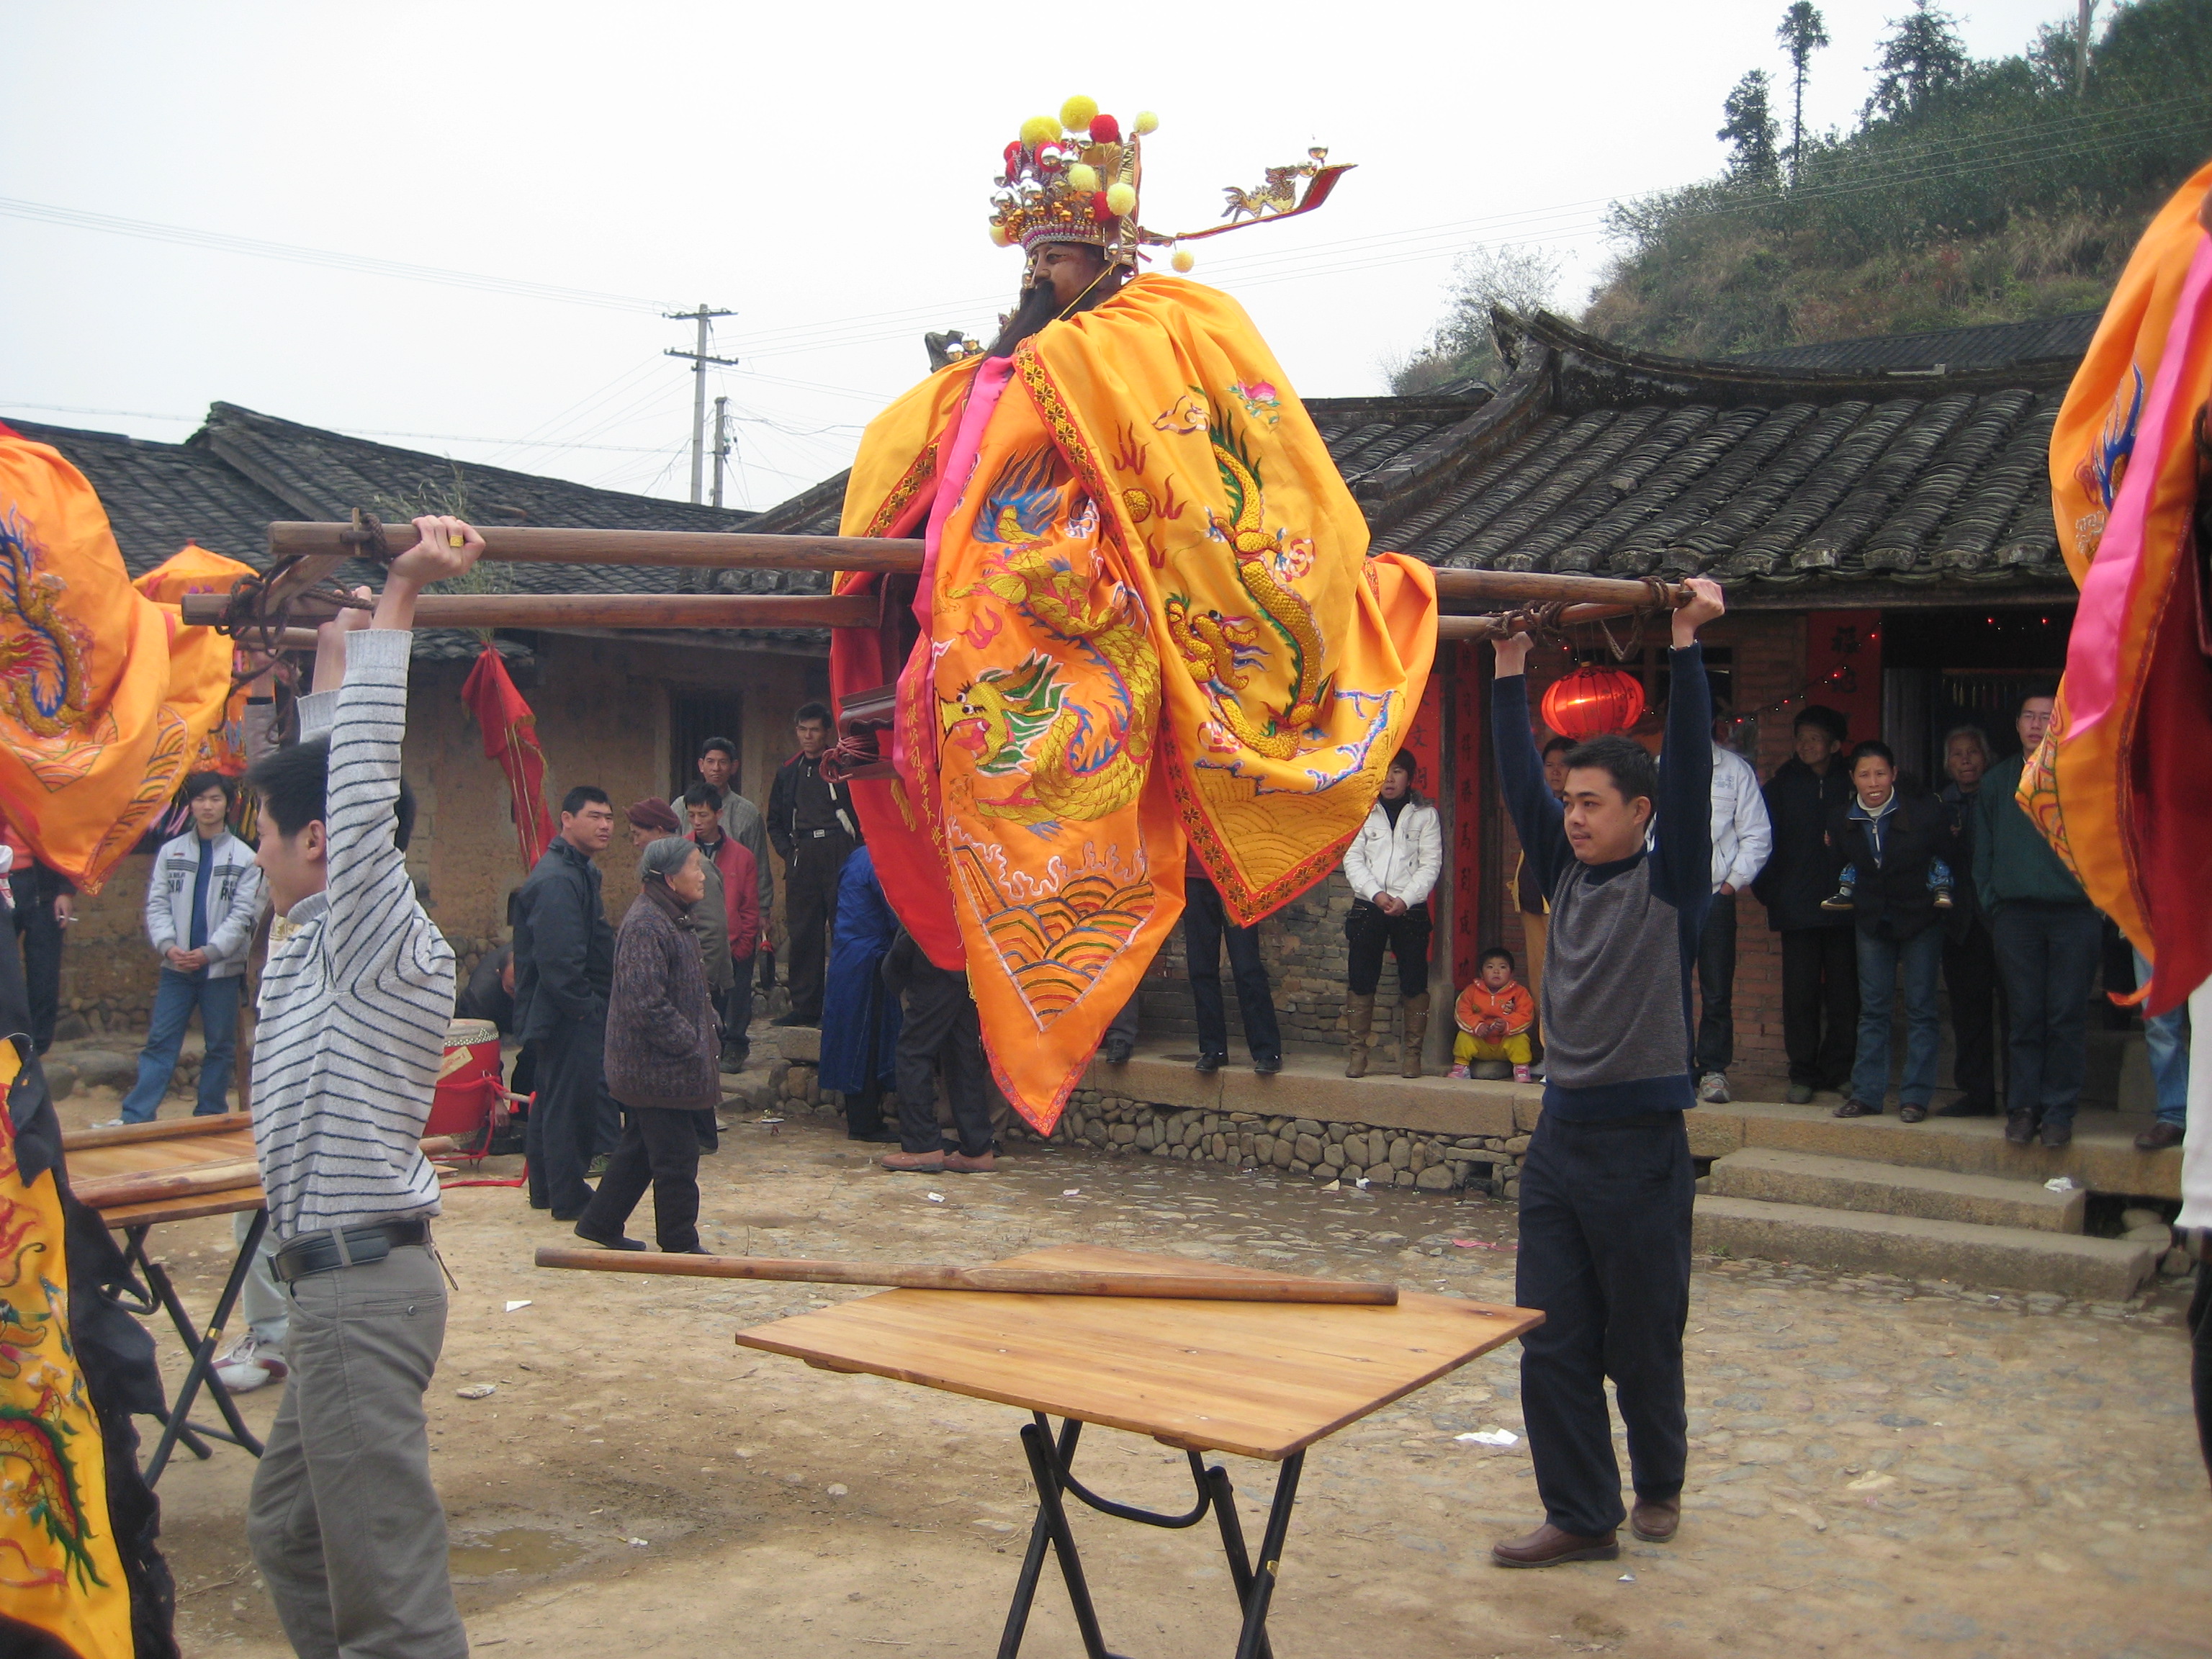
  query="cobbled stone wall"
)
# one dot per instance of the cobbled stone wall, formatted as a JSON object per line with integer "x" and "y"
{"x": 1322, "y": 1150}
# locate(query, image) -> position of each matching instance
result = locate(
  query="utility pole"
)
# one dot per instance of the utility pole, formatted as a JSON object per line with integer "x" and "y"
{"x": 721, "y": 443}
{"x": 699, "y": 360}
{"x": 2089, "y": 9}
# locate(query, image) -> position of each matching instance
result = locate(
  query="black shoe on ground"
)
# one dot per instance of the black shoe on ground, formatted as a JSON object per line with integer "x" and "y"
{"x": 1800, "y": 1094}
{"x": 1269, "y": 1067}
{"x": 617, "y": 1244}
{"x": 1117, "y": 1053}
{"x": 877, "y": 1136}
{"x": 1210, "y": 1062}
{"x": 795, "y": 1020}
{"x": 2055, "y": 1135}
{"x": 2020, "y": 1128}
{"x": 567, "y": 1215}
{"x": 2158, "y": 1137}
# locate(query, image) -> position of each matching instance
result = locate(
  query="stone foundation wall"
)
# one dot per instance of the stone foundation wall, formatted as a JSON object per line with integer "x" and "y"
{"x": 1321, "y": 1151}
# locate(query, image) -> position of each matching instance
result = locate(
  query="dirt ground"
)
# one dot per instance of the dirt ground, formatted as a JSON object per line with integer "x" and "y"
{"x": 1876, "y": 1467}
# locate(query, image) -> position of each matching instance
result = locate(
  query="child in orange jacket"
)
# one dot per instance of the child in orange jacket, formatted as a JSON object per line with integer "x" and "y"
{"x": 1494, "y": 1015}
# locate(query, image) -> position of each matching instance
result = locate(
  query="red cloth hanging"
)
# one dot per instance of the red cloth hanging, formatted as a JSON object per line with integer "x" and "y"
{"x": 510, "y": 736}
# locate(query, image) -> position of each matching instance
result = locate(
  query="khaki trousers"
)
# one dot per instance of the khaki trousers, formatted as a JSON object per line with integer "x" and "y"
{"x": 343, "y": 1523}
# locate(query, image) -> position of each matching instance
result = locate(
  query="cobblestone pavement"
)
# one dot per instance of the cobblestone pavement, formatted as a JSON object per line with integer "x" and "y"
{"x": 1877, "y": 1468}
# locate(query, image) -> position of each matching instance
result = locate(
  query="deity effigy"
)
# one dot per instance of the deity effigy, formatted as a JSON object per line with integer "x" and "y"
{"x": 1147, "y": 631}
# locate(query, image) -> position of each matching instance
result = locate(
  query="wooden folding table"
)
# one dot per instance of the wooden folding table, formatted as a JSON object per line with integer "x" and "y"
{"x": 1258, "y": 1379}
{"x": 211, "y": 1160}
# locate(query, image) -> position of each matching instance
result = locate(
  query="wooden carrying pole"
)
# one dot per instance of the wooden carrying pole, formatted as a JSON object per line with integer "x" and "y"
{"x": 1018, "y": 1281}
{"x": 739, "y": 550}
{"x": 598, "y": 610}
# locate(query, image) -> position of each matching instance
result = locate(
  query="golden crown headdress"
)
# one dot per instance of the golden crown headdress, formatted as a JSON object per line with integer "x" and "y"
{"x": 1077, "y": 179}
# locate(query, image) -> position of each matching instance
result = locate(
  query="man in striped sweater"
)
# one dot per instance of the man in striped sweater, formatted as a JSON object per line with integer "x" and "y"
{"x": 1625, "y": 863}
{"x": 345, "y": 1523}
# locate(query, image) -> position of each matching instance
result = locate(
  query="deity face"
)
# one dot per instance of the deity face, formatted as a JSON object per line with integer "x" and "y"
{"x": 1070, "y": 267}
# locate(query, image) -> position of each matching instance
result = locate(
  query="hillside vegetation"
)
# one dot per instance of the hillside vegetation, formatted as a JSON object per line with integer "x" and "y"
{"x": 1969, "y": 191}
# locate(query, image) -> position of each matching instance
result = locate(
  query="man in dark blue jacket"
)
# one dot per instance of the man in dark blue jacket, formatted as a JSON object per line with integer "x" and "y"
{"x": 564, "y": 955}
{"x": 1606, "y": 1187}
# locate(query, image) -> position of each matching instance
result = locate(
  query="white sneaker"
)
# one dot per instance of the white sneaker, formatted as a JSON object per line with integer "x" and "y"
{"x": 248, "y": 1366}
{"x": 1713, "y": 1088}
{"x": 109, "y": 1123}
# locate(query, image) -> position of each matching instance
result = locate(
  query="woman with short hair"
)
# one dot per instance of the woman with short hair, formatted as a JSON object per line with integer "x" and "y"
{"x": 663, "y": 1049}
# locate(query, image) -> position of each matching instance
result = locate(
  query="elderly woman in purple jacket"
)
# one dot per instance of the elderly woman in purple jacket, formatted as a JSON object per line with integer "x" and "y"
{"x": 662, "y": 1057}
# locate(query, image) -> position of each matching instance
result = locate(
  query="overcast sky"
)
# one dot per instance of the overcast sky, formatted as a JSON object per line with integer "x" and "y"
{"x": 821, "y": 170}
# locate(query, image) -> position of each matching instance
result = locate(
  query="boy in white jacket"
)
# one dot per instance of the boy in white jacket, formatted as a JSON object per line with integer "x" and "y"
{"x": 1392, "y": 864}
{"x": 203, "y": 898}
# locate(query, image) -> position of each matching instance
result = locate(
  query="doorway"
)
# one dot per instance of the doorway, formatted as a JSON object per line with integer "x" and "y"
{"x": 694, "y": 717}
{"x": 1944, "y": 668}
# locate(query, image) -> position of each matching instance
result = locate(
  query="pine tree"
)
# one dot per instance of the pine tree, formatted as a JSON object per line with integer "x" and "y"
{"x": 1750, "y": 132}
{"x": 1803, "y": 32}
{"x": 1923, "y": 55}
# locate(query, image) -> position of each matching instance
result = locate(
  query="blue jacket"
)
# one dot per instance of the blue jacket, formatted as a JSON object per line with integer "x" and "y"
{"x": 854, "y": 1003}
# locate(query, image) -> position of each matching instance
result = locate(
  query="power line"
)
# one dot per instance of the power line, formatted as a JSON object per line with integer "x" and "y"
{"x": 365, "y": 264}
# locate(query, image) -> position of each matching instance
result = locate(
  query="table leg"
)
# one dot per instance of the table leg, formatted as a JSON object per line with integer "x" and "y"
{"x": 1052, "y": 1522}
{"x": 1254, "y": 1642}
{"x": 1232, "y": 1545}
{"x": 1018, "y": 1615}
{"x": 202, "y": 1348}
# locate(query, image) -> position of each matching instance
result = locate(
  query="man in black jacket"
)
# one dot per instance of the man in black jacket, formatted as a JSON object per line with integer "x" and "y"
{"x": 1820, "y": 953}
{"x": 1970, "y": 960}
{"x": 811, "y": 820}
{"x": 564, "y": 953}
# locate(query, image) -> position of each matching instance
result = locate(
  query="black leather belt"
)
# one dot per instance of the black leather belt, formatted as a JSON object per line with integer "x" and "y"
{"x": 346, "y": 1247}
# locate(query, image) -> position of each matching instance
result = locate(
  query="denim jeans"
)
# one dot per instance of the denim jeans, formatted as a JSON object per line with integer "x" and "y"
{"x": 1918, "y": 961}
{"x": 175, "y": 998}
{"x": 2167, "y": 1036}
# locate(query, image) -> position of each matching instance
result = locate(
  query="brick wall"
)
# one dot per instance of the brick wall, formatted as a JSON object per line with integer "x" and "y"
{"x": 602, "y": 708}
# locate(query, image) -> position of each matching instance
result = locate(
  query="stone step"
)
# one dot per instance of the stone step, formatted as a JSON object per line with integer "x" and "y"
{"x": 1853, "y": 1240}
{"x": 1854, "y": 1183}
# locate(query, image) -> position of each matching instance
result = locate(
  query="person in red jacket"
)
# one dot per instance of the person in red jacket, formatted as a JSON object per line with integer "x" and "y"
{"x": 702, "y": 803}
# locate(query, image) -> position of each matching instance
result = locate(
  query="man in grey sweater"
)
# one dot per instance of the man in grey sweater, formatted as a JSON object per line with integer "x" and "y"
{"x": 1606, "y": 1187}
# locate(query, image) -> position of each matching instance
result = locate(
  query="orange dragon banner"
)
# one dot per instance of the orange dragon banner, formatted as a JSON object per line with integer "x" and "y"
{"x": 105, "y": 700}
{"x": 2119, "y": 785}
{"x": 1148, "y": 625}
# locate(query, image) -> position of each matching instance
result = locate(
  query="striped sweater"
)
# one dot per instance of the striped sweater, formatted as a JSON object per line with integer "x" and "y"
{"x": 359, "y": 988}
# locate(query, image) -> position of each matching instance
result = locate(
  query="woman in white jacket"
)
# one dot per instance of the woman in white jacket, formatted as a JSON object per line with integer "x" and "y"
{"x": 1392, "y": 865}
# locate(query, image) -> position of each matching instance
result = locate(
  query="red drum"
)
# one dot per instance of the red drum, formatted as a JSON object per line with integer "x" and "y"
{"x": 469, "y": 1080}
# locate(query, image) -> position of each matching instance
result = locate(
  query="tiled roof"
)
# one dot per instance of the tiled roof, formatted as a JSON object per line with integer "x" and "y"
{"x": 222, "y": 486}
{"x": 1992, "y": 346}
{"x": 1593, "y": 459}
{"x": 1362, "y": 434}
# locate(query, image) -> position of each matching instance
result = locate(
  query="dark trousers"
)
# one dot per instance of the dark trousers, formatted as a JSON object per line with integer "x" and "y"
{"x": 1716, "y": 986}
{"x": 2200, "y": 1359}
{"x": 1204, "y": 924}
{"x": 2047, "y": 957}
{"x": 1605, "y": 1252}
{"x": 810, "y": 908}
{"x": 941, "y": 1029}
{"x": 735, "y": 1007}
{"x": 658, "y": 1148}
{"x": 1970, "y": 973}
{"x": 1368, "y": 933}
{"x": 1123, "y": 1027}
{"x": 38, "y": 927}
{"x": 563, "y": 1133}
{"x": 1821, "y": 1004}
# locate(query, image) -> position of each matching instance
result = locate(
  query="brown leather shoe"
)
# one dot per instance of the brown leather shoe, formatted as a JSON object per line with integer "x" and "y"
{"x": 1653, "y": 1519}
{"x": 1548, "y": 1546}
{"x": 2020, "y": 1128}
{"x": 961, "y": 1163}
{"x": 2158, "y": 1137}
{"x": 914, "y": 1162}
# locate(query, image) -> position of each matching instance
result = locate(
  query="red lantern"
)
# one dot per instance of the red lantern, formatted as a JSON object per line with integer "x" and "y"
{"x": 1593, "y": 700}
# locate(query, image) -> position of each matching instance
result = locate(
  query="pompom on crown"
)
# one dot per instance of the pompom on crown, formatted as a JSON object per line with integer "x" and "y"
{"x": 1073, "y": 178}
